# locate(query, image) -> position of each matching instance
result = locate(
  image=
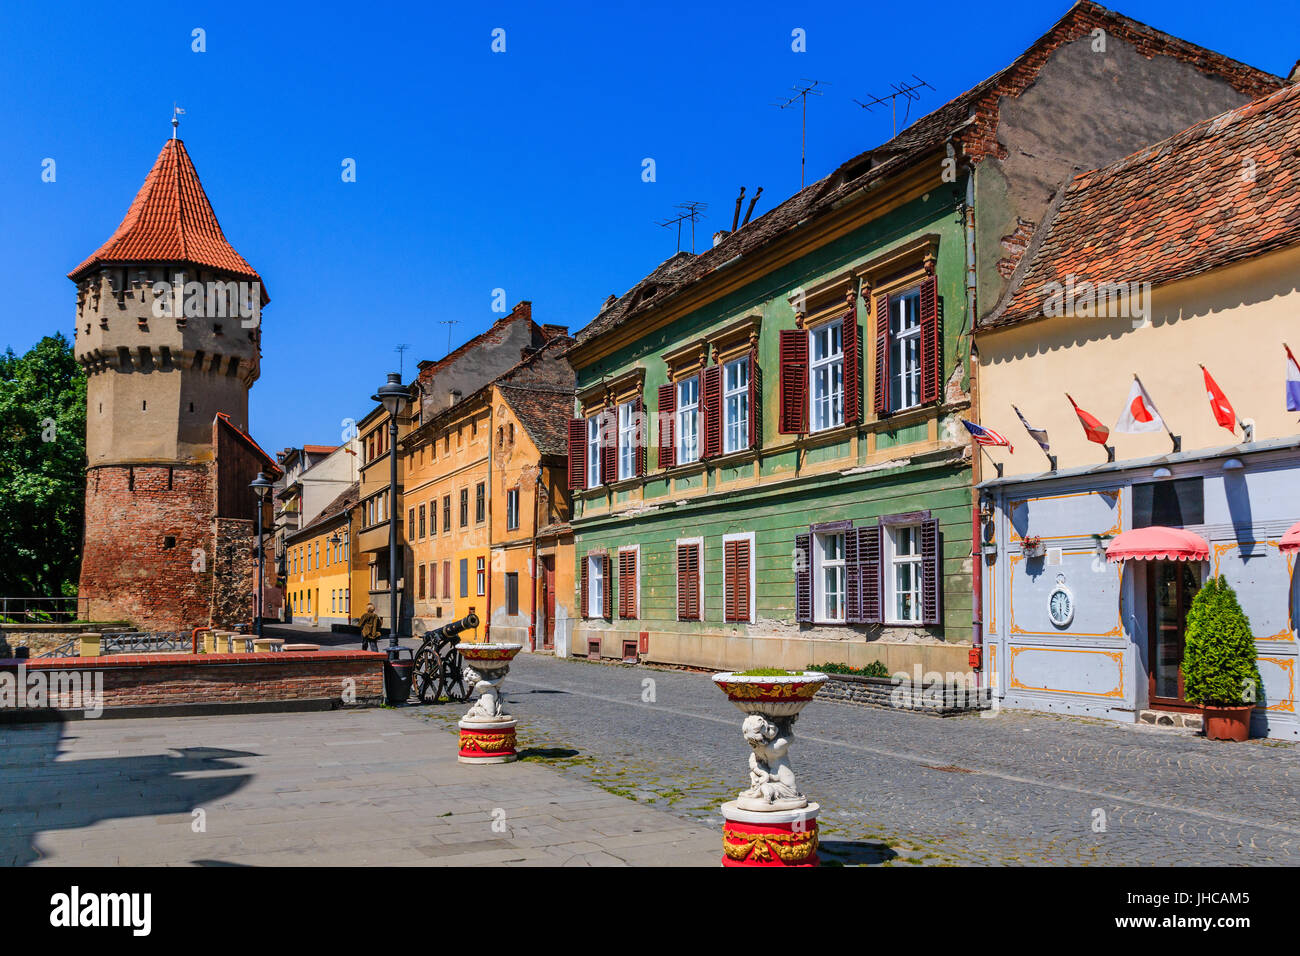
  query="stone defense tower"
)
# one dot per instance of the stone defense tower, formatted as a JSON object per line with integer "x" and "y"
{"x": 169, "y": 340}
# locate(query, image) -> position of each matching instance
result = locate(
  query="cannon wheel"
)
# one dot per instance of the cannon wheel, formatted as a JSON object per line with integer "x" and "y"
{"x": 451, "y": 679}
{"x": 425, "y": 677}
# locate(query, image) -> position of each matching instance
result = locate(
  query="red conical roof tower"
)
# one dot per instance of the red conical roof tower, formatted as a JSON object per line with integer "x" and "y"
{"x": 170, "y": 221}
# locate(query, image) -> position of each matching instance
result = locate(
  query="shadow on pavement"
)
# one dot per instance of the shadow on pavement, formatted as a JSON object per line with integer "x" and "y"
{"x": 547, "y": 753}
{"x": 854, "y": 852}
{"x": 39, "y": 794}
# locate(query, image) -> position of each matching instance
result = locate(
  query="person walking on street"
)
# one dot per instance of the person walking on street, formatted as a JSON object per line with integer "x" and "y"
{"x": 369, "y": 629}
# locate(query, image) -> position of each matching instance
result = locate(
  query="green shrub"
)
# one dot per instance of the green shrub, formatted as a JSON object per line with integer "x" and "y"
{"x": 874, "y": 669}
{"x": 1219, "y": 666}
{"x": 764, "y": 672}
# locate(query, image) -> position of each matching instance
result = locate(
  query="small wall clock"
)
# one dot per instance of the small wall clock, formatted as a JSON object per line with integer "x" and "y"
{"x": 1060, "y": 603}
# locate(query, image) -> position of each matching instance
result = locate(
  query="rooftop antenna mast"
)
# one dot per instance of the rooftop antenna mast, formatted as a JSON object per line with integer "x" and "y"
{"x": 691, "y": 210}
{"x": 176, "y": 111}
{"x": 802, "y": 90}
{"x": 401, "y": 357}
{"x": 907, "y": 90}
{"x": 449, "y": 323}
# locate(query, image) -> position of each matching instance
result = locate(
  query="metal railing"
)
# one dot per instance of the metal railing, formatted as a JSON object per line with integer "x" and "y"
{"x": 134, "y": 643}
{"x": 71, "y": 648}
{"x": 42, "y": 610}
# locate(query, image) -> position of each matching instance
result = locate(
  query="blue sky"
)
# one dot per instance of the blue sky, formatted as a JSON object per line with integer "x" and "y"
{"x": 475, "y": 170}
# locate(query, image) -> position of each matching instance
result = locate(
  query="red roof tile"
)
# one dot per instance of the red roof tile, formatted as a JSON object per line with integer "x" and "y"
{"x": 1218, "y": 192}
{"x": 170, "y": 220}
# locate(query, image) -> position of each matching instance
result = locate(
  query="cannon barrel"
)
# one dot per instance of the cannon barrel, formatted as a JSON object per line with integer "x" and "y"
{"x": 453, "y": 628}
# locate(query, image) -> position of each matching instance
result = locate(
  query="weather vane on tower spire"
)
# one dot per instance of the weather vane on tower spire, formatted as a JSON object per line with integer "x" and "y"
{"x": 176, "y": 111}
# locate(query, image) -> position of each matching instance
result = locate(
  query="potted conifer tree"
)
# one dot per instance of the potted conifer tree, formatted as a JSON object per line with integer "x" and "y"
{"x": 1219, "y": 669}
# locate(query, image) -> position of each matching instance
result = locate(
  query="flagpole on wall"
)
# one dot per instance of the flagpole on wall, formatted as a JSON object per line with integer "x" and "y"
{"x": 1178, "y": 442}
{"x": 1247, "y": 431}
{"x": 997, "y": 465}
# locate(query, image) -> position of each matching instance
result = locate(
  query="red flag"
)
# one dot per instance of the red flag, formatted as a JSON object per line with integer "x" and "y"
{"x": 1219, "y": 404}
{"x": 1094, "y": 429}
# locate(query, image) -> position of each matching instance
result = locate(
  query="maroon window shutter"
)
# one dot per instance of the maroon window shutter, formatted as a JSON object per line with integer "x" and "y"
{"x": 577, "y": 453}
{"x": 608, "y": 446}
{"x": 642, "y": 437}
{"x": 609, "y": 588}
{"x": 931, "y": 582}
{"x": 681, "y": 582}
{"x": 881, "y": 403}
{"x": 737, "y": 588}
{"x": 667, "y": 414}
{"x": 711, "y": 400}
{"x": 693, "y": 582}
{"x": 803, "y": 578}
{"x": 583, "y": 589}
{"x": 794, "y": 381}
{"x": 931, "y": 344}
{"x": 869, "y": 573}
{"x": 755, "y": 400}
{"x": 852, "y": 577}
{"x": 627, "y": 584}
{"x": 851, "y": 342}
{"x": 743, "y": 559}
{"x": 729, "y": 597}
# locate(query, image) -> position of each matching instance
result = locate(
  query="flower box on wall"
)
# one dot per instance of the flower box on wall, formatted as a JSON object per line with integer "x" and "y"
{"x": 1032, "y": 547}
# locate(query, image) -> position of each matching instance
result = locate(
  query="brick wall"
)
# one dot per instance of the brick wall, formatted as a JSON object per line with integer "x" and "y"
{"x": 152, "y": 680}
{"x": 143, "y": 524}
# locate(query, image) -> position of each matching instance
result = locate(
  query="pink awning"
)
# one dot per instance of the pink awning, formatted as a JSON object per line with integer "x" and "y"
{"x": 1291, "y": 540}
{"x": 1158, "y": 544}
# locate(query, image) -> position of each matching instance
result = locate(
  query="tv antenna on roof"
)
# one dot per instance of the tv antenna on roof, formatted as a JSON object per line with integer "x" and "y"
{"x": 401, "y": 356}
{"x": 908, "y": 91}
{"x": 692, "y": 210}
{"x": 802, "y": 90}
{"x": 449, "y": 323}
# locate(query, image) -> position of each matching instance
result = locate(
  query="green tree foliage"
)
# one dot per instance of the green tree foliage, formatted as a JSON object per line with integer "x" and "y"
{"x": 42, "y": 469}
{"x": 1219, "y": 666}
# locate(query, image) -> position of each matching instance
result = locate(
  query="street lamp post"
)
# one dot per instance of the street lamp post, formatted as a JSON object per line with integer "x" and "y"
{"x": 394, "y": 396}
{"x": 261, "y": 485}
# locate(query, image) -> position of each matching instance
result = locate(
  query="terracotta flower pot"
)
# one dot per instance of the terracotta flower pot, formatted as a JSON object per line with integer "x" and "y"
{"x": 1227, "y": 723}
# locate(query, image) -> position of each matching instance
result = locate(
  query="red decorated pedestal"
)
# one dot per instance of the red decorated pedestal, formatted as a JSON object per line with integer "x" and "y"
{"x": 769, "y": 837}
{"x": 488, "y": 742}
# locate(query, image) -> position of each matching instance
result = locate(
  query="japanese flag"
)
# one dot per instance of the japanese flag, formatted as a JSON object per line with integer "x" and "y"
{"x": 1139, "y": 413}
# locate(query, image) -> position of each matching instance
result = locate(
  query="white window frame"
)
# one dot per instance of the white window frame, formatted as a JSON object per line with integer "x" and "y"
{"x": 826, "y": 397}
{"x": 627, "y": 438}
{"x": 687, "y": 413}
{"x": 699, "y": 542}
{"x": 512, "y": 509}
{"x": 893, "y": 561}
{"x": 596, "y": 585}
{"x": 593, "y": 451}
{"x": 636, "y": 609}
{"x": 480, "y": 576}
{"x": 753, "y": 575}
{"x": 735, "y": 432}
{"x": 906, "y": 376}
{"x": 818, "y": 582}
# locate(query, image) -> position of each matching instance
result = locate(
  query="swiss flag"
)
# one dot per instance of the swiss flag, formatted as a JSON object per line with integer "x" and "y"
{"x": 1139, "y": 413}
{"x": 1094, "y": 429}
{"x": 1219, "y": 404}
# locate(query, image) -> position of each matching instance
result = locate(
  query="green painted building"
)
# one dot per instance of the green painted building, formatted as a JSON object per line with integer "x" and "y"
{"x": 766, "y": 454}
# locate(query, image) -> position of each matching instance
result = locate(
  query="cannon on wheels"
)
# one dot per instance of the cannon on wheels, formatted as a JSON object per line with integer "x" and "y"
{"x": 439, "y": 668}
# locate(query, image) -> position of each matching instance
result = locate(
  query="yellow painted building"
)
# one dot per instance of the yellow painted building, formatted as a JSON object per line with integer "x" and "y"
{"x": 486, "y": 509}
{"x": 446, "y": 513}
{"x": 318, "y": 589}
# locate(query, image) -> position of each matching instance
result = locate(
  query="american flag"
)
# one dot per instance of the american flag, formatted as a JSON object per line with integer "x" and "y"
{"x": 986, "y": 436}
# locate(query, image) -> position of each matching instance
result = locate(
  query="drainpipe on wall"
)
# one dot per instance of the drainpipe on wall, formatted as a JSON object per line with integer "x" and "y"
{"x": 977, "y": 556}
{"x": 532, "y": 568}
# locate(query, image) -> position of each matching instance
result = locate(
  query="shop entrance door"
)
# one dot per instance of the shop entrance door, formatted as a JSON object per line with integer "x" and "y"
{"x": 1171, "y": 585}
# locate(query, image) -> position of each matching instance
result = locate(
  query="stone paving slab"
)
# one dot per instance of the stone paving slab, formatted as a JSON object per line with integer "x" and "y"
{"x": 357, "y": 788}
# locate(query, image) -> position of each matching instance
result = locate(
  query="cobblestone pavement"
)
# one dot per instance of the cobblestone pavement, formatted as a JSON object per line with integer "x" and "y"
{"x": 896, "y": 787}
{"x": 346, "y": 788}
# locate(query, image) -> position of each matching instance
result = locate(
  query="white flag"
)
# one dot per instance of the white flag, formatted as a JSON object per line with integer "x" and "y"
{"x": 1139, "y": 413}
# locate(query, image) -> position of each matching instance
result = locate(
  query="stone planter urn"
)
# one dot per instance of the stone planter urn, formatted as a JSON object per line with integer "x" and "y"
{"x": 487, "y": 732}
{"x": 771, "y": 823}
